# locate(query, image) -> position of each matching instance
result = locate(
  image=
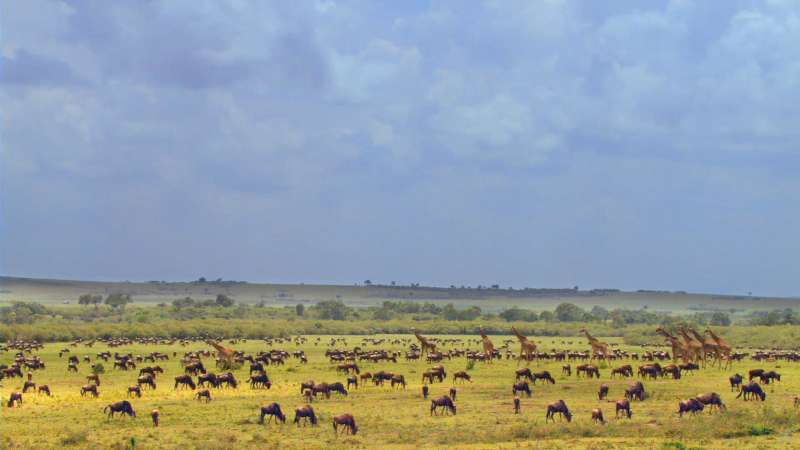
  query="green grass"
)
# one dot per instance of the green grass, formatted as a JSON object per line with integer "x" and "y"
{"x": 392, "y": 418}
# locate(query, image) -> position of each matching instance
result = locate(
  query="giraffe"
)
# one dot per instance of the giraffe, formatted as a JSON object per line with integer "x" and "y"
{"x": 527, "y": 348}
{"x": 223, "y": 353}
{"x": 488, "y": 347}
{"x": 694, "y": 348}
{"x": 427, "y": 346}
{"x": 678, "y": 348}
{"x": 597, "y": 345}
{"x": 724, "y": 348}
{"x": 708, "y": 347}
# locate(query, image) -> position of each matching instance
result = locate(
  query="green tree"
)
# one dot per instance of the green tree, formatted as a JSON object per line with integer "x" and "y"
{"x": 118, "y": 300}
{"x": 720, "y": 319}
{"x": 568, "y": 312}
{"x": 299, "y": 309}
{"x": 224, "y": 301}
{"x": 600, "y": 313}
{"x": 332, "y": 310}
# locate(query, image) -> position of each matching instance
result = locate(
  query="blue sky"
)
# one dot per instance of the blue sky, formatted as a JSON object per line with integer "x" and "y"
{"x": 617, "y": 144}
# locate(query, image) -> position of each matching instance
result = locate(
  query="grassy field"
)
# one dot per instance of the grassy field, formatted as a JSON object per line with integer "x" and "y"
{"x": 390, "y": 418}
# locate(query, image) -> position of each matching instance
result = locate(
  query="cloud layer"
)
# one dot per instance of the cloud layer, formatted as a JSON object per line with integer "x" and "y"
{"x": 524, "y": 143}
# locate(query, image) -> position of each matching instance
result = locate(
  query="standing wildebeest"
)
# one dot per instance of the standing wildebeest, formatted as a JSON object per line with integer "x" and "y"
{"x": 14, "y": 400}
{"x": 194, "y": 368}
{"x": 566, "y": 370}
{"x": 516, "y": 405}
{"x": 589, "y": 370}
{"x": 135, "y": 391}
{"x": 597, "y": 416}
{"x": 272, "y": 410}
{"x": 321, "y": 388}
{"x": 28, "y": 386}
{"x": 603, "y": 392}
{"x": 711, "y": 399}
{"x": 522, "y": 386}
{"x": 545, "y": 375}
{"x": 203, "y": 396}
{"x": 154, "y": 415}
{"x": 260, "y": 381}
{"x": 152, "y": 371}
{"x": 89, "y": 389}
{"x": 44, "y": 389}
{"x": 425, "y": 392}
{"x": 461, "y": 376}
{"x": 624, "y": 371}
{"x": 347, "y": 421}
{"x": 123, "y": 407}
{"x": 352, "y": 381}
{"x": 94, "y": 378}
{"x": 453, "y": 393}
{"x": 691, "y": 405}
{"x": 146, "y": 380}
{"x": 755, "y": 373}
{"x": 557, "y": 407}
{"x": 228, "y": 380}
{"x": 306, "y": 385}
{"x": 306, "y": 413}
{"x": 209, "y": 378}
{"x": 770, "y": 376}
{"x": 398, "y": 380}
{"x": 256, "y": 367}
{"x": 752, "y": 389}
{"x": 623, "y": 405}
{"x": 444, "y": 402}
{"x": 338, "y": 388}
{"x": 523, "y": 373}
{"x": 635, "y": 391}
{"x": 429, "y": 375}
{"x": 185, "y": 381}
{"x": 346, "y": 368}
{"x": 736, "y": 381}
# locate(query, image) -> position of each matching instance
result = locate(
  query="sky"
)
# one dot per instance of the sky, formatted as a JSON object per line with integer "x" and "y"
{"x": 625, "y": 144}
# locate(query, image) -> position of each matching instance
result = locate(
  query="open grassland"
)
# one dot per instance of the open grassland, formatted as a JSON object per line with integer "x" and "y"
{"x": 392, "y": 418}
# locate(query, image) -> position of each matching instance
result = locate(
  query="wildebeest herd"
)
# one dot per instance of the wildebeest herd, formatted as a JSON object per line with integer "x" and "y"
{"x": 205, "y": 371}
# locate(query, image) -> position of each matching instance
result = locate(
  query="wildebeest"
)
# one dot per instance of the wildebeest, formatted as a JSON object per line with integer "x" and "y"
{"x": 347, "y": 421}
{"x": 711, "y": 399}
{"x": 28, "y": 386}
{"x": 94, "y": 378}
{"x": 208, "y": 378}
{"x": 90, "y": 389}
{"x": 203, "y": 396}
{"x": 752, "y": 389}
{"x": 305, "y": 412}
{"x": 768, "y": 377}
{"x": 589, "y": 370}
{"x": 523, "y": 373}
{"x": 135, "y": 391}
{"x": 425, "y": 392}
{"x": 463, "y": 376}
{"x": 545, "y": 375}
{"x": 560, "y": 408}
{"x": 444, "y": 402}
{"x": 123, "y": 407}
{"x": 691, "y": 405}
{"x": 44, "y": 389}
{"x": 522, "y": 386}
{"x": 635, "y": 391}
{"x": 624, "y": 371}
{"x": 152, "y": 371}
{"x": 566, "y": 370}
{"x": 346, "y": 368}
{"x": 146, "y": 380}
{"x": 623, "y": 405}
{"x": 154, "y": 415}
{"x": 429, "y": 375}
{"x": 194, "y": 368}
{"x": 453, "y": 393}
{"x": 272, "y": 410}
{"x": 516, "y": 405}
{"x": 338, "y": 388}
{"x": 736, "y": 381}
{"x": 15, "y": 399}
{"x": 185, "y": 381}
{"x": 228, "y": 380}
{"x": 755, "y": 373}
{"x": 306, "y": 385}
{"x": 352, "y": 381}
{"x": 602, "y": 393}
{"x": 260, "y": 381}
{"x": 597, "y": 416}
{"x": 398, "y": 380}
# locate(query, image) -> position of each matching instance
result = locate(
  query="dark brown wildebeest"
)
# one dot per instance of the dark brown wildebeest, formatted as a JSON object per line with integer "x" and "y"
{"x": 346, "y": 368}
{"x": 650, "y": 370}
{"x": 338, "y": 388}
{"x": 152, "y": 371}
{"x": 256, "y": 367}
{"x": 44, "y": 389}
{"x": 90, "y": 389}
{"x": 272, "y": 410}
{"x": 623, "y": 405}
{"x": 185, "y": 381}
{"x": 308, "y": 396}
{"x": 398, "y": 380}
{"x": 347, "y": 421}
{"x": 522, "y": 386}
{"x": 768, "y": 377}
{"x": 523, "y": 373}
{"x": 689, "y": 367}
{"x": 135, "y": 391}
{"x": 588, "y": 370}
{"x": 146, "y": 380}
{"x": 124, "y": 407}
{"x": 692, "y": 406}
{"x": 623, "y": 371}
{"x": 208, "y": 378}
{"x": 736, "y": 381}
{"x": 603, "y": 392}
{"x": 453, "y": 393}
{"x": 672, "y": 370}
{"x": 321, "y": 388}
{"x": 516, "y": 405}
{"x": 14, "y": 400}
{"x": 380, "y": 377}
{"x": 306, "y": 385}
{"x": 597, "y": 416}
{"x": 72, "y": 367}
{"x": 227, "y": 379}
{"x": 260, "y": 381}
{"x": 463, "y": 376}
{"x": 752, "y": 389}
{"x": 364, "y": 377}
{"x": 545, "y": 375}
{"x": 352, "y": 381}
{"x": 425, "y": 391}
{"x": 711, "y": 399}
{"x": 154, "y": 415}
{"x": 635, "y": 391}
{"x": 755, "y": 373}
{"x": 305, "y": 412}
{"x": 429, "y": 376}
{"x": 94, "y": 378}
{"x": 444, "y": 402}
{"x": 559, "y": 408}
{"x": 566, "y": 370}
{"x": 28, "y": 386}
{"x": 203, "y": 396}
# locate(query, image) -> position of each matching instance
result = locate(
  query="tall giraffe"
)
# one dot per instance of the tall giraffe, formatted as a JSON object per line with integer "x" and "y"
{"x": 488, "y": 347}
{"x": 724, "y": 348}
{"x": 527, "y": 348}
{"x": 223, "y": 353}
{"x": 597, "y": 345}
{"x": 678, "y": 347}
{"x": 694, "y": 347}
{"x": 709, "y": 348}
{"x": 427, "y": 346}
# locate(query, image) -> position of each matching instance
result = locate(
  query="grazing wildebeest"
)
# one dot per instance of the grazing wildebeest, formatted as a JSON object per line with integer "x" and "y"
{"x": 461, "y": 376}
{"x": 321, "y": 388}
{"x": 272, "y": 410}
{"x": 736, "y": 381}
{"x": 398, "y": 380}
{"x": 184, "y": 381}
{"x": 711, "y": 399}
{"x": 603, "y": 392}
{"x": 151, "y": 370}
{"x": 256, "y": 367}
{"x": 347, "y": 421}
{"x": 650, "y": 370}
{"x": 770, "y": 376}
{"x": 228, "y": 380}
{"x": 425, "y": 392}
{"x": 123, "y": 407}
{"x": 306, "y": 385}
{"x": 154, "y": 415}
{"x": 755, "y": 373}
{"x": 94, "y": 378}
{"x": 623, "y": 405}
{"x": 453, "y": 393}
{"x": 194, "y": 368}
{"x": 635, "y": 391}
{"x": 352, "y": 381}
{"x": 624, "y": 371}
{"x": 338, "y": 388}
{"x": 672, "y": 370}
{"x": 752, "y": 389}
{"x": 134, "y": 391}
{"x": 523, "y": 373}
{"x": 444, "y": 402}
{"x": 588, "y": 370}
{"x": 516, "y": 405}
{"x": 559, "y": 408}
{"x": 89, "y": 389}
{"x": 691, "y": 405}
{"x": 28, "y": 386}
{"x": 305, "y": 412}
{"x": 308, "y": 396}
{"x": 545, "y": 375}
{"x": 203, "y": 396}
{"x": 429, "y": 375}
{"x": 208, "y": 378}
{"x": 260, "y": 381}
{"x": 346, "y": 368}
{"x": 522, "y": 386}
{"x": 14, "y": 400}
{"x": 146, "y": 380}
{"x": 597, "y": 416}
{"x": 44, "y": 389}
